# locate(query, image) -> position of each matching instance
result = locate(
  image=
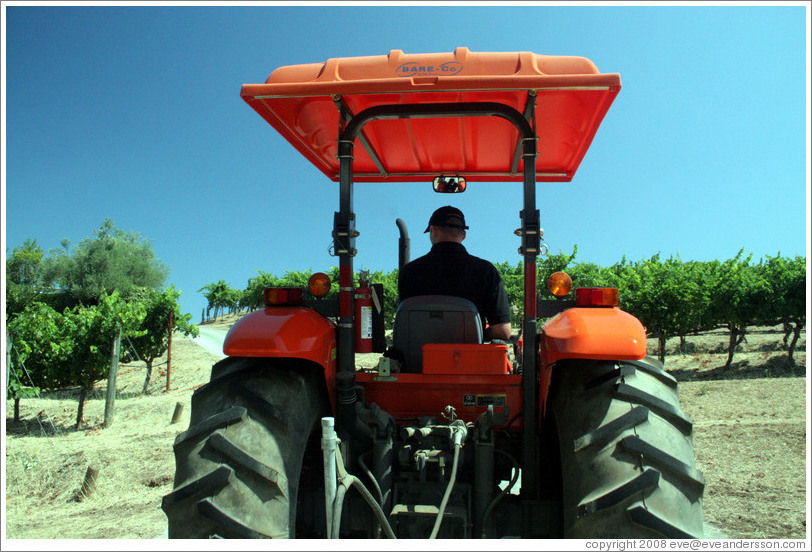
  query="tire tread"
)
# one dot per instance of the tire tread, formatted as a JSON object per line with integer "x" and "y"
{"x": 228, "y": 523}
{"x": 238, "y": 465}
{"x": 612, "y": 430}
{"x": 228, "y": 417}
{"x": 208, "y": 483}
{"x": 654, "y": 368}
{"x": 675, "y": 416}
{"x": 693, "y": 482}
{"x": 645, "y": 517}
{"x": 636, "y": 486}
{"x": 626, "y": 452}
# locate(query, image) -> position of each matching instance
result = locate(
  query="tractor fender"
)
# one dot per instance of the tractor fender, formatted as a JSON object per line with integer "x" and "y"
{"x": 286, "y": 332}
{"x": 589, "y": 333}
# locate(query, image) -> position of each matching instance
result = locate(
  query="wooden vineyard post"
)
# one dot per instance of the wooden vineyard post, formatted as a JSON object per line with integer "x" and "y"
{"x": 110, "y": 401}
{"x": 89, "y": 483}
{"x": 177, "y": 413}
{"x": 8, "y": 359}
{"x": 9, "y": 345}
{"x": 169, "y": 352}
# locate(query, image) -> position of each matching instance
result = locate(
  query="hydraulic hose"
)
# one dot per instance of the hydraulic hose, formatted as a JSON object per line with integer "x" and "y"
{"x": 506, "y": 490}
{"x": 345, "y": 481}
{"x": 447, "y": 495}
{"x": 371, "y": 477}
{"x": 338, "y": 505}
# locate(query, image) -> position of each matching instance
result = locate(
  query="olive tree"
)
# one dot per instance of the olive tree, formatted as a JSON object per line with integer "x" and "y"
{"x": 24, "y": 282}
{"x": 112, "y": 260}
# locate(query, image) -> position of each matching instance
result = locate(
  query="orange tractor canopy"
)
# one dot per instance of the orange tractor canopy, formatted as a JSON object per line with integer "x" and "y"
{"x": 563, "y": 98}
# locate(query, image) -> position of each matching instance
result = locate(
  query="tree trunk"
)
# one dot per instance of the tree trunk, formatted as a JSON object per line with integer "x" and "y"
{"x": 149, "y": 375}
{"x": 661, "y": 339}
{"x": 16, "y": 409}
{"x": 736, "y": 337}
{"x": 796, "y": 334}
{"x": 81, "y": 410}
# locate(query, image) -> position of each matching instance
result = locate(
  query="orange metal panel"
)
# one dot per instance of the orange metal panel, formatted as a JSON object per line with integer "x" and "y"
{"x": 286, "y": 332}
{"x": 571, "y": 99}
{"x": 469, "y": 395}
{"x": 589, "y": 333}
{"x": 458, "y": 358}
{"x": 600, "y": 333}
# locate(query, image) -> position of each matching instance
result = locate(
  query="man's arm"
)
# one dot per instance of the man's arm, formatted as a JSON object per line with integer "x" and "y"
{"x": 498, "y": 331}
{"x": 498, "y": 314}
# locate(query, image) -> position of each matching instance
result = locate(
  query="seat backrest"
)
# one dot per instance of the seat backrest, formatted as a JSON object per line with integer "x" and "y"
{"x": 433, "y": 319}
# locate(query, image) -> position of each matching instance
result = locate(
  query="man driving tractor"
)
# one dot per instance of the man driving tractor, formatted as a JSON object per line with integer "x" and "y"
{"x": 448, "y": 269}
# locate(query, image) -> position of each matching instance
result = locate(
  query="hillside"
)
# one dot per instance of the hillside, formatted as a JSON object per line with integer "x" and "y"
{"x": 750, "y": 440}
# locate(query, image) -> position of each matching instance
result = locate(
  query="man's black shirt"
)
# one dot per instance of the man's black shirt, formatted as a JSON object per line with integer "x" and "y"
{"x": 448, "y": 269}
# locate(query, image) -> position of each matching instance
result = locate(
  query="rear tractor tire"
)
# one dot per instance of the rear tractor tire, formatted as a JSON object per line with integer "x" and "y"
{"x": 627, "y": 452}
{"x": 238, "y": 464}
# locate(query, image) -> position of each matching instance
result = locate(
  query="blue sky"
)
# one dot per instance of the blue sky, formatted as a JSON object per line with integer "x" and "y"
{"x": 134, "y": 114}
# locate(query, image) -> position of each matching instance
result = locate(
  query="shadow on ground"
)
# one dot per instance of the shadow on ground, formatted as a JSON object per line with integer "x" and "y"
{"x": 775, "y": 367}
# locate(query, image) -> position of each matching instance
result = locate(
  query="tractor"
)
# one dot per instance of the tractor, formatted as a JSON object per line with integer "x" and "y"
{"x": 568, "y": 430}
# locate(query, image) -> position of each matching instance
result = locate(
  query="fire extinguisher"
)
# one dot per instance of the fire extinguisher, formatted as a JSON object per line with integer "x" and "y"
{"x": 363, "y": 314}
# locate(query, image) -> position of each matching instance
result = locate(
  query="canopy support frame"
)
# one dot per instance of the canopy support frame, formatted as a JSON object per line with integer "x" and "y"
{"x": 344, "y": 236}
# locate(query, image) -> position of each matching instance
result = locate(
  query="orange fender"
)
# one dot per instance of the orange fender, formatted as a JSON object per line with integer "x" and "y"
{"x": 589, "y": 333}
{"x": 286, "y": 332}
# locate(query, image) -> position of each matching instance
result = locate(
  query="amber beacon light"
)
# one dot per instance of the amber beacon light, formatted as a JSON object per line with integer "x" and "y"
{"x": 319, "y": 284}
{"x": 559, "y": 284}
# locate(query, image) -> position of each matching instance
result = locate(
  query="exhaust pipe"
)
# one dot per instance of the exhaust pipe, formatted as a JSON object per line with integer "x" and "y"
{"x": 404, "y": 249}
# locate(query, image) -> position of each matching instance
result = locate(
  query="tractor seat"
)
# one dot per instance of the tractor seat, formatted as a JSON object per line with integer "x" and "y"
{"x": 433, "y": 319}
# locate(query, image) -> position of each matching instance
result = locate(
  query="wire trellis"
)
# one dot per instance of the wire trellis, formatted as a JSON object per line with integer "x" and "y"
{"x": 56, "y": 432}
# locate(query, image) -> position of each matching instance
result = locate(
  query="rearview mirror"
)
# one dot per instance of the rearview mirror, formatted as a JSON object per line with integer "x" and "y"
{"x": 449, "y": 184}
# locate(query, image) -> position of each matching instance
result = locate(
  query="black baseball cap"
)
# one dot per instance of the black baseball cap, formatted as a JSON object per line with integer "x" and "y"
{"x": 447, "y": 216}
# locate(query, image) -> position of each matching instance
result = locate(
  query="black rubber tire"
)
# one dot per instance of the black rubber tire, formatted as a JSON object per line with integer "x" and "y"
{"x": 627, "y": 453}
{"x": 237, "y": 467}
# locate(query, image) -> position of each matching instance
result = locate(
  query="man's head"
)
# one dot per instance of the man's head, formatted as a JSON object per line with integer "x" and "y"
{"x": 447, "y": 224}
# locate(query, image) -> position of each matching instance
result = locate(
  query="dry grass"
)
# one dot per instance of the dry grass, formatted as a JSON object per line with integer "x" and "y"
{"x": 750, "y": 425}
{"x": 750, "y": 443}
{"x": 47, "y": 457}
{"x": 750, "y": 440}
